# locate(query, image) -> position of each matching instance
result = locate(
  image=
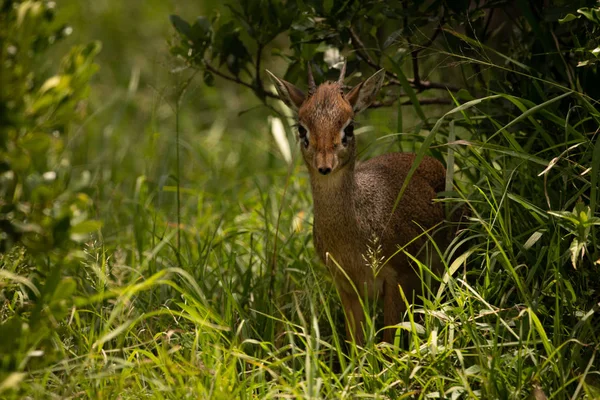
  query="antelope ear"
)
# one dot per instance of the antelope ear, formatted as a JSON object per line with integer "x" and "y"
{"x": 288, "y": 93}
{"x": 362, "y": 95}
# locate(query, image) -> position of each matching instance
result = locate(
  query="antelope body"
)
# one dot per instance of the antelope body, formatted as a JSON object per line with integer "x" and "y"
{"x": 354, "y": 203}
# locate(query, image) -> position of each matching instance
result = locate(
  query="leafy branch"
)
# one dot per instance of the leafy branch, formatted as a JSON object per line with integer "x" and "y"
{"x": 209, "y": 46}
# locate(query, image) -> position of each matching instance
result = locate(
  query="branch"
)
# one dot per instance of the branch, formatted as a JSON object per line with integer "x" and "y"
{"x": 415, "y": 53}
{"x": 423, "y": 102}
{"x": 259, "y": 86}
{"x": 424, "y": 85}
{"x": 421, "y": 85}
{"x": 237, "y": 80}
{"x": 360, "y": 49}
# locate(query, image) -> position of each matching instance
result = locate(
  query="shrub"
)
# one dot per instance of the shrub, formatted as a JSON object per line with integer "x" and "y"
{"x": 44, "y": 206}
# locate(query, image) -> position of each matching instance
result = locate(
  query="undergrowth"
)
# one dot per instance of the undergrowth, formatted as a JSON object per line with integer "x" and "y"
{"x": 203, "y": 282}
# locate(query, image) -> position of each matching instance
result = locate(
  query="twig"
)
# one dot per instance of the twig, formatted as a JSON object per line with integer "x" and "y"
{"x": 425, "y": 85}
{"x": 423, "y": 102}
{"x": 360, "y": 48}
{"x": 415, "y": 53}
{"x": 431, "y": 39}
{"x": 487, "y": 24}
{"x": 421, "y": 85}
{"x": 260, "y": 90}
{"x": 237, "y": 80}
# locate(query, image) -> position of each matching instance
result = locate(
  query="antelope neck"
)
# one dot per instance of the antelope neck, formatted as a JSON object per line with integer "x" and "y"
{"x": 333, "y": 197}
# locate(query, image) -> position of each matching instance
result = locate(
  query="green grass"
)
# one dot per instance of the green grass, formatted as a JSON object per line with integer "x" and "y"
{"x": 203, "y": 281}
{"x": 148, "y": 317}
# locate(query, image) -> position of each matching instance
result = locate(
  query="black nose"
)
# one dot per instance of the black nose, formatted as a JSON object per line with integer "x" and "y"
{"x": 324, "y": 171}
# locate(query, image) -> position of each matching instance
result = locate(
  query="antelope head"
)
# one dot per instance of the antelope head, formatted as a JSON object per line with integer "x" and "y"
{"x": 326, "y": 118}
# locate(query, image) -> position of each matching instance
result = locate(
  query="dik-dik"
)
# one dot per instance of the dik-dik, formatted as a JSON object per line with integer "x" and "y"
{"x": 353, "y": 203}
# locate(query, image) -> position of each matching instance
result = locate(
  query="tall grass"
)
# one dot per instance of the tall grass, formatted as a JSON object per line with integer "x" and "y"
{"x": 172, "y": 299}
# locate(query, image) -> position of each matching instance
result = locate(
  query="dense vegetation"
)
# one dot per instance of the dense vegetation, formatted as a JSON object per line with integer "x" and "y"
{"x": 155, "y": 218}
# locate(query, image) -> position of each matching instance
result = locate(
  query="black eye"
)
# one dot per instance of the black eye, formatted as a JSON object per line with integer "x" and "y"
{"x": 302, "y": 134}
{"x": 349, "y": 130}
{"x": 348, "y": 133}
{"x": 301, "y": 131}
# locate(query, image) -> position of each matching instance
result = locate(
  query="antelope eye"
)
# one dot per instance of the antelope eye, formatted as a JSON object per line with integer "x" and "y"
{"x": 303, "y": 135}
{"x": 301, "y": 131}
{"x": 349, "y": 130}
{"x": 348, "y": 133}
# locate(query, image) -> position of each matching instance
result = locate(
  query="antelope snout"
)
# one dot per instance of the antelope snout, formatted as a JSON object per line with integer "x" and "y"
{"x": 325, "y": 162}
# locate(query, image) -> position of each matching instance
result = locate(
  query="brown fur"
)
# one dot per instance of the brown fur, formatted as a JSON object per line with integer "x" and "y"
{"x": 354, "y": 203}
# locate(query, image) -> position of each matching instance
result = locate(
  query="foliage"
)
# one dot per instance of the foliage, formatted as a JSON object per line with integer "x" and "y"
{"x": 591, "y": 51}
{"x": 524, "y": 101}
{"x": 43, "y": 205}
{"x": 44, "y": 208}
{"x": 393, "y": 34}
{"x": 526, "y": 52}
{"x": 202, "y": 281}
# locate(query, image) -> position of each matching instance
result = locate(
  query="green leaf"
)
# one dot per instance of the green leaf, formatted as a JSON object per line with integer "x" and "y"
{"x": 577, "y": 250}
{"x": 592, "y": 14}
{"x": 201, "y": 28}
{"x": 181, "y": 26}
{"x": 566, "y": 215}
{"x": 567, "y": 18}
{"x": 584, "y": 63}
{"x": 533, "y": 239}
{"x": 231, "y": 49}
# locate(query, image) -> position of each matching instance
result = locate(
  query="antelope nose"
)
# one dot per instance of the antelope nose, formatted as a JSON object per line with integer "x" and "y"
{"x": 324, "y": 170}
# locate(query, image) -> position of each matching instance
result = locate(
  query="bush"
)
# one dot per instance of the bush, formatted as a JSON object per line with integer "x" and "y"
{"x": 44, "y": 207}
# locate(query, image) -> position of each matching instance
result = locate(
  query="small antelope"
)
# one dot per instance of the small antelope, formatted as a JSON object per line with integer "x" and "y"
{"x": 353, "y": 203}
